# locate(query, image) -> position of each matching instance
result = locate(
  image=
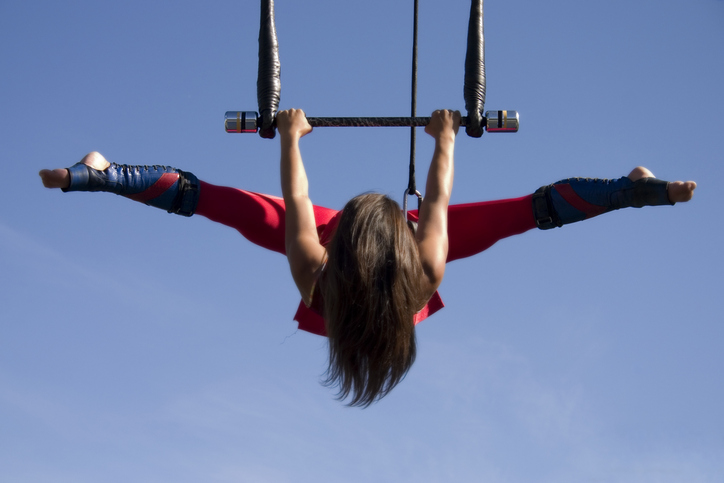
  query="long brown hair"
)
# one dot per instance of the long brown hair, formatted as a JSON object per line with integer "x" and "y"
{"x": 372, "y": 287}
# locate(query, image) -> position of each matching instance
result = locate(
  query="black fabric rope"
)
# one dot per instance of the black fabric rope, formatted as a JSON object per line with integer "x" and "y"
{"x": 474, "y": 88}
{"x": 268, "y": 83}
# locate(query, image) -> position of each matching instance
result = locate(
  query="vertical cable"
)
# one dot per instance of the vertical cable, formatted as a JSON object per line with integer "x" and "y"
{"x": 411, "y": 188}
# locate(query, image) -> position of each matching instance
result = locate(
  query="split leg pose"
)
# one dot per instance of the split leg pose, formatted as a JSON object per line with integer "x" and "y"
{"x": 365, "y": 277}
{"x": 472, "y": 227}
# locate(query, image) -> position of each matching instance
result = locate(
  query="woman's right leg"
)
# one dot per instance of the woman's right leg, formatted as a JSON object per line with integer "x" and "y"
{"x": 258, "y": 217}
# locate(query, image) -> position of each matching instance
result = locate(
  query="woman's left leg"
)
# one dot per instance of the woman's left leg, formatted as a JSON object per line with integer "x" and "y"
{"x": 475, "y": 227}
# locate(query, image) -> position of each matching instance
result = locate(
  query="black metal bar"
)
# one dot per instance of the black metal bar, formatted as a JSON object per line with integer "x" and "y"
{"x": 493, "y": 121}
{"x": 372, "y": 121}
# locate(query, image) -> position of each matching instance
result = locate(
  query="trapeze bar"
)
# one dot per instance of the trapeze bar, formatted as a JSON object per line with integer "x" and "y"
{"x": 248, "y": 121}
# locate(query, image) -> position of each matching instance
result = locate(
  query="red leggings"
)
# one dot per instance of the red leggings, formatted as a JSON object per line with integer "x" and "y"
{"x": 472, "y": 227}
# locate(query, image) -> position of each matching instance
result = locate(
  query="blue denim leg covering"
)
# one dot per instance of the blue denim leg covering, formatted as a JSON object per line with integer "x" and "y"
{"x": 575, "y": 199}
{"x": 163, "y": 187}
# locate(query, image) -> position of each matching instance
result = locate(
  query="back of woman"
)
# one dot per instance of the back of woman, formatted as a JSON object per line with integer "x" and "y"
{"x": 372, "y": 287}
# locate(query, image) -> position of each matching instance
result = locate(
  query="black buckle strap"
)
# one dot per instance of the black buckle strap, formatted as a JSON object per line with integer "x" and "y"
{"x": 545, "y": 216}
{"x": 187, "y": 196}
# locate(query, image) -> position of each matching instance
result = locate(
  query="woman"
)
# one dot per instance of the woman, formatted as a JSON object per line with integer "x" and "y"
{"x": 366, "y": 277}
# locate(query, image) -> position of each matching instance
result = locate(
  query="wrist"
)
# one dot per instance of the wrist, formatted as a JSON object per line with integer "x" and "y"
{"x": 289, "y": 137}
{"x": 445, "y": 139}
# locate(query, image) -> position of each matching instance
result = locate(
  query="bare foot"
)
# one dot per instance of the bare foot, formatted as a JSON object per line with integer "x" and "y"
{"x": 678, "y": 191}
{"x": 60, "y": 178}
{"x": 681, "y": 191}
{"x": 55, "y": 178}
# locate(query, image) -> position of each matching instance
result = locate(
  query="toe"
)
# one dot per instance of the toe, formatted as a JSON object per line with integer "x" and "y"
{"x": 56, "y": 178}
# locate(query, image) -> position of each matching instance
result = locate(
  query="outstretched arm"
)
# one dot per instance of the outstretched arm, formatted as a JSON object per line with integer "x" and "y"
{"x": 304, "y": 253}
{"x": 432, "y": 239}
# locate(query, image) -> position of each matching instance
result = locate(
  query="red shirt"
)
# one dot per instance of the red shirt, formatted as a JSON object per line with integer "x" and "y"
{"x": 310, "y": 318}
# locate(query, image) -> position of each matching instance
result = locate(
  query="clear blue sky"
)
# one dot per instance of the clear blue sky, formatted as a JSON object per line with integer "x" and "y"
{"x": 140, "y": 346}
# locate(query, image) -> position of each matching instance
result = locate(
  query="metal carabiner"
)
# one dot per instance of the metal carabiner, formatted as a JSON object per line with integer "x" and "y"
{"x": 404, "y": 200}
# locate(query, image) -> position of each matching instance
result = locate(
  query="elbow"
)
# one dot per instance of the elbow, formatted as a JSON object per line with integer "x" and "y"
{"x": 434, "y": 276}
